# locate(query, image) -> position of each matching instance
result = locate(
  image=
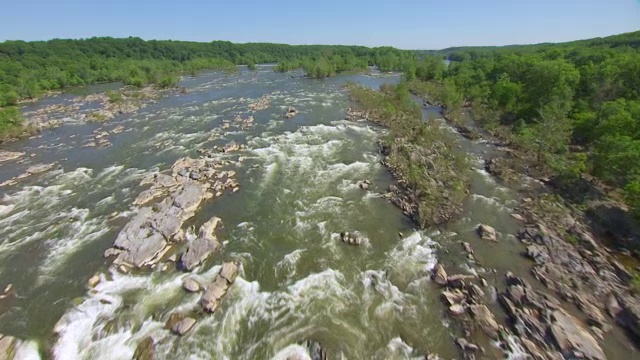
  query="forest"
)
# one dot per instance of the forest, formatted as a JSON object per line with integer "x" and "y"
{"x": 572, "y": 109}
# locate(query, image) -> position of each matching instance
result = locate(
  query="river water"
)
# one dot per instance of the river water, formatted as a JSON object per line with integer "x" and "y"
{"x": 297, "y": 193}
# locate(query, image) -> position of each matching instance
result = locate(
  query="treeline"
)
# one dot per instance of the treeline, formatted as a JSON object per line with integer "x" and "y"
{"x": 574, "y": 108}
{"x": 28, "y": 69}
{"x": 343, "y": 60}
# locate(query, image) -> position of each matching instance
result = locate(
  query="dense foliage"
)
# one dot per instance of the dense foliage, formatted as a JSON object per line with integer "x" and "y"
{"x": 573, "y": 107}
{"x": 422, "y": 156}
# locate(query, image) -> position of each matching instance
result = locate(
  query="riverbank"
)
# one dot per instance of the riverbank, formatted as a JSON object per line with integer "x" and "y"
{"x": 567, "y": 260}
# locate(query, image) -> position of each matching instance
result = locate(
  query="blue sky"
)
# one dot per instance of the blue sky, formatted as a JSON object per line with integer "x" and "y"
{"x": 417, "y": 24}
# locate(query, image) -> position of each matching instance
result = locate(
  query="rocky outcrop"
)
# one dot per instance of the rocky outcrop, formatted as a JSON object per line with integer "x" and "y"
{"x": 261, "y": 104}
{"x": 9, "y": 155}
{"x": 291, "y": 112}
{"x": 32, "y": 170}
{"x": 486, "y": 232}
{"x": 351, "y": 238}
{"x": 153, "y": 230}
{"x": 219, "y": 286}
{"x": 202, "y": 247}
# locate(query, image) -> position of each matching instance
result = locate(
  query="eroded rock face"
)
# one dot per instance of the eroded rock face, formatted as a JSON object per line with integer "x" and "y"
{"x": 219, "y": 287}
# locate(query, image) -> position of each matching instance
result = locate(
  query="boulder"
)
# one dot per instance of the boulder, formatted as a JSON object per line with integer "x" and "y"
{"x": 485, "y": 319}
{"x": 198, "y": 251}
{"x": 456, "y": 309}
{"x": 93, "y": 281}
{"x": 518, "y": 217}
{"x": 573, "y": 341}
{"x": 486, "y": 232}
{"x": 183, "y": 326}
{"x": 354, "y": 238}
{"x": 440, "y": 276}
{"x": 454, "y": 297}
{"x": 191, "y": 285}
{"x": 291, "y": 112}
{"x": 458, "y": 280}
{"x": 230, "y": 146}
{"x": 467, "y": 248}
{"x": 229, "y": 271}
{"x": 145, "y": 350}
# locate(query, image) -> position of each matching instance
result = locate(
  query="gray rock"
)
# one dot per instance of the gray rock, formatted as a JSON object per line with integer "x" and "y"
{"x": 229, "y": 271}
{"x": 440, "y": 276}
{"x": 199, "y": 250}
{"x": 572, "y": 339}
{"x": 456, "y": 309}
{"x": 195, "y": 176}
{"x": 486, "y": 232}
{"x": 183, "y": 326}
{"x": 191, "y": 285}
{"x": 485, "y": 319}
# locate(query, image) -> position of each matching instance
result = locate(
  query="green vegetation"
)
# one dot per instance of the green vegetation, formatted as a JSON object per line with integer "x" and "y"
{"x": 433, "y": 175}
{"x": 10, "y": 121}
{"x": 571, "y": 108}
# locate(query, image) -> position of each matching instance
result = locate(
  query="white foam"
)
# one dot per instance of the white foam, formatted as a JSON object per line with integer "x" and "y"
{"x": 26, "y": 350}
{"x": 292, "y": 352}
{"x": 414, "y": 253}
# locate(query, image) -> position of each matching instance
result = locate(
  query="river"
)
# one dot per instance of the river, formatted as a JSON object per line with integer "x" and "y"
{"x": 298, "y": 191}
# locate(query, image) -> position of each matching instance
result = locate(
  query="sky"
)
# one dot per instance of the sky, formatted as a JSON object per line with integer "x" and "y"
{"x": 417, "y": 24}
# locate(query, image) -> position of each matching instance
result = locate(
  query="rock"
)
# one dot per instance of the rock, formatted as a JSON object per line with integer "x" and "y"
{"x": 364, "y": 184}
{"x": 291, "y": 112}
{"x": 467, "y": 248}
{"x": 518, "y": 217}
{"x": 93, "y": 281}
{"x": 354, "y": 238}
{"x": 485, "y": 319}
{"x": 229, "y": 271}
{"x": 538, "y": 253}
{"x": 613, "y": 307}
{"x": 574, "y": 341}
{"x": 456, "y": 309}
{"x": 183, "y": 326}
{"x": 440, "y": 276}
{"x": 486, "y": 232}
{"x": 7, "y": 344}
{"x": 195, "y": 176}
{"x": 458, "y": 280}
{"x": 145, "y": 350}
{"x": 199, "y": 250}
{"x": 146, "y": 196}
{"x": 218, "y": 288}
{"x": 467, "y": 346}
{"x": 191, "y": 285}
{"x": 9, "y": 155}
{"x": 454, "y": 297}
{"x": 483, "y": 282}
{"x": 230, "y": 146}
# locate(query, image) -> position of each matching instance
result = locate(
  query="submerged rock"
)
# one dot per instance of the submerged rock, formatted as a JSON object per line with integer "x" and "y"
{"x": 291, "y": 112}
{"x": 354, "y": 238}
{"x": 9, "y": 155}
